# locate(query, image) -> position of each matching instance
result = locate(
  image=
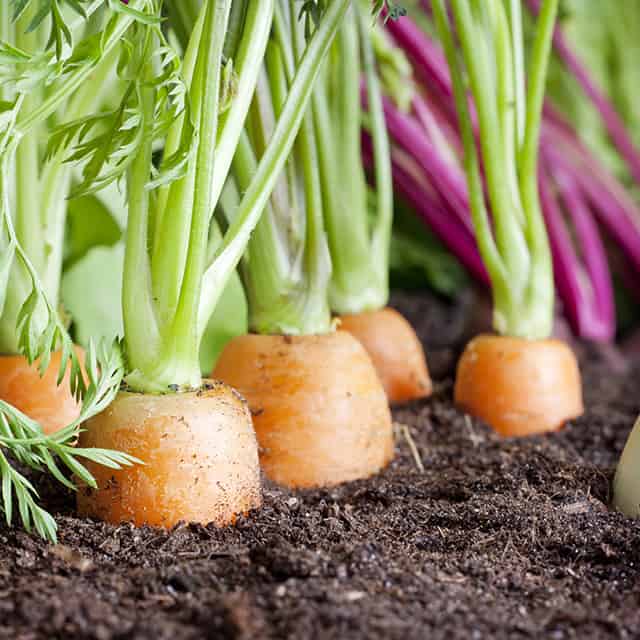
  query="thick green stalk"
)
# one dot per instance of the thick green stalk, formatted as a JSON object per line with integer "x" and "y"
{"x": 284, "y": 273}
{"x": 359, "y": 242}
{"x": 381, "y": 233}
{"x": 338, "y": 121}
{"x": 520, "y": 265}
{"x": 183, "y": 15}
{"x": 507, "y": 101}
{"x": 519, "y": 80}
{"x": 142, "y": 335}
{"x": 541, "y": 290}
{"x": 484, "y": 234}
{"x": 173, "y": 230}
{"x": 477, "y": 53}
{"x": 206, "y": 106}
{"x": 28, "y": 213}
{"x": 176, "y": 360}
{"x": 273, "y": 161}
{"x": 26, "y": 199}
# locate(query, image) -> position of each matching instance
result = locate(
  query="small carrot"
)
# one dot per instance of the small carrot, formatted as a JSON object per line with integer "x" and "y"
{"x": 319, "y": 410}
{"x": 520, "y": 382}
{"x": 200, "y": 455}
{"x": 395, "y": 350}
{"x": 520, "y": 387}
{"x": 40, "y": 398}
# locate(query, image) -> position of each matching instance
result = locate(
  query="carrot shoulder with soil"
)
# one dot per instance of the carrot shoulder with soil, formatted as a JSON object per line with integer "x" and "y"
{"x": 63, "y": 68}
{"x": 319, "y": 409}
{"x": 37, "y": 189}
{"x": 194, "y": 436}
{"x": 520, "y": 381}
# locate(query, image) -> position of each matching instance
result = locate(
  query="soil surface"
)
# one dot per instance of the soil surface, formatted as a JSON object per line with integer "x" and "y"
{"x": 464, "y": 536}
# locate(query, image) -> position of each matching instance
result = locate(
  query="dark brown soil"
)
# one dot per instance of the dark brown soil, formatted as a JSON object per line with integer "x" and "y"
{"x": 493, "y": 539}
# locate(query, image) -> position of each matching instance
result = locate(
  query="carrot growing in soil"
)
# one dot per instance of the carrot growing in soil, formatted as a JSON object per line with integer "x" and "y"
{"x": 319, "y": 409}
{"x": 358, "y": 223}
{"x": 37, "y": 190}
{"x": 53, "y": 72}
{"x": 195, "y": 436}
{"x": 576, "y": 192}
{"x": 520, "y": 381}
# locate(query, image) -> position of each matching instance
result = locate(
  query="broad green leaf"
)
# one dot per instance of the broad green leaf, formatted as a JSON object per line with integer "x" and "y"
{"x": 91, "y": 292}
{"x": 418, "y": 259}
{"x": 230, "y": 319}
{"x": 89, "y": 224}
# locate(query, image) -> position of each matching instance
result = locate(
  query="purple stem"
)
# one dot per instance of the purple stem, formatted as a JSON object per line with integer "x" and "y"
{"x": 457, "y": 236}
{"x": 584, "y": 282}
{"x": 446, "y": 178}
{"x": 612, "y": 120}
{"x": 613, "y": 207}
{"x": 584, "y": 285}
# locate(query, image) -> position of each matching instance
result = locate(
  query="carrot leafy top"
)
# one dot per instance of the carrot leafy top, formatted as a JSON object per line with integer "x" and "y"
{"x": 484, "y": 45}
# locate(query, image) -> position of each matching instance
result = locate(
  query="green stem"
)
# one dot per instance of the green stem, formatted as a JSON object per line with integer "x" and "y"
{"x": 354, "y": 285}
{"x": 272, "y": 162}
{"x": 173, "y": 230}
{"x": 79, "y": 75}
{"x": 541, "y": 289}
{"x": 176, "y": 361}
{"x": 183, "y": 15}
{"x": 142, "y": 336}
{"x": 521, "y": 270}
{"x": 6, "y": 35}
{"x": 28, "y": 216}
{"x": 506, "y": 101}
{"x": 27, "y": 192}
{"x": 381, "y": 235}
{"x": 205, "y": 94}
{"x": 484, "y": 235}
{"x": 517, "y": 38}
{"x": 477, "y": 55}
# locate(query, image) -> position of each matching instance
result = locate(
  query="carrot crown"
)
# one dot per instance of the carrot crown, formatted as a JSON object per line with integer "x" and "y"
{"x": 37, "y": 81}
{"x": 515, "y": 249}
{"x": 358, "y": 223}
{"x": 315, "y": 242}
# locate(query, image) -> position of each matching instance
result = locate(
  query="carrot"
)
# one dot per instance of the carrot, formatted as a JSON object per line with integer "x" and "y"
{"x": 520, "y": 387}
{"x": 40, "y": 398}
{"x": 200, "y": 455}
{"x": 395, "y": 350}
{"x": 319, "y": 410}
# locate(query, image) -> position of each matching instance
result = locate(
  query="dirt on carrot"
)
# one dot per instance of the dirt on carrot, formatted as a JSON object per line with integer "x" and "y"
{"x": 396, "y": 352}
{"x": 200, "y": 455}
{"x": 319, "y": 410}
{"x": 496, "y": 539}
{"x": 53, "y": 406}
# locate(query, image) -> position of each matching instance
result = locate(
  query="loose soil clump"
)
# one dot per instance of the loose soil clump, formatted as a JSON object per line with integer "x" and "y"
{"x": 465, "y": 535}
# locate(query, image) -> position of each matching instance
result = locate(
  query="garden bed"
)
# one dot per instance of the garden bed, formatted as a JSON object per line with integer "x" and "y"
{"x": 490, "y": 539}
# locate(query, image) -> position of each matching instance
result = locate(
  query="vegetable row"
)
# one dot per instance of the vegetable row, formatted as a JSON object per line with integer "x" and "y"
{"x": 220, "y": 175}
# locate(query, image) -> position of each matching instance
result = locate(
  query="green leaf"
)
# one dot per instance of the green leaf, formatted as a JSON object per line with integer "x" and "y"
{"x": 91, "y": 293}
{"x": 419, "y": 259}
{"x": 60, "y": 33}
{"x": 229, "y": 320}
{"x": 89, "y": 224}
